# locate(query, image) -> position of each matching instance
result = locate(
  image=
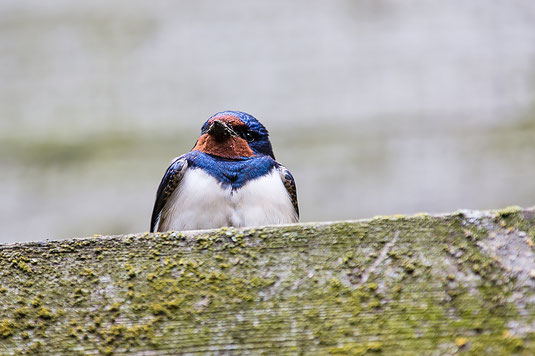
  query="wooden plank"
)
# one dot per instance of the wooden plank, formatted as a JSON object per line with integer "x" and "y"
{"x": 424, "y": 284}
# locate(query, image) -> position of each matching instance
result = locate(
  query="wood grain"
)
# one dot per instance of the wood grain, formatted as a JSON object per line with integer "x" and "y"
{"x": 457, "y": 283}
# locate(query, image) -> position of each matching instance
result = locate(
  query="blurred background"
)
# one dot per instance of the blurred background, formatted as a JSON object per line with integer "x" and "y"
{"x": 376, "y": 106}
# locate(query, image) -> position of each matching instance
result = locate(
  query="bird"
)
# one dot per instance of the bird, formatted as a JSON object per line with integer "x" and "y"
{"x": 229, "y": 178}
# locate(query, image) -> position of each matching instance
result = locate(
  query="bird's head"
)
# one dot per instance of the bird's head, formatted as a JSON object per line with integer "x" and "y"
{"x": 234, "y": 135}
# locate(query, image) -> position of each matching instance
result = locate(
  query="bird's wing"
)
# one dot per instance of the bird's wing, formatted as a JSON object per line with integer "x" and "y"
{"x": 289, "y": 184}
{"x": 170, "y": 181}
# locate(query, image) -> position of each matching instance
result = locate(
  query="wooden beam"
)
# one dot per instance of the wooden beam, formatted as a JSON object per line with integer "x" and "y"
{"x": 463, "y": 282}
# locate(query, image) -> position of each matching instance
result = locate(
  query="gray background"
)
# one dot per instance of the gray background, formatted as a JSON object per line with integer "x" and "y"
{"x": 377, "y": 107}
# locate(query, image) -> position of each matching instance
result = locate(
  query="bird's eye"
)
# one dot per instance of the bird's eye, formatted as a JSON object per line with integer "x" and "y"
{"x": 249, "y": 136}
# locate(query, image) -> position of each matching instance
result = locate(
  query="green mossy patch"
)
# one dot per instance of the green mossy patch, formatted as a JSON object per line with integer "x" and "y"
{"x": 340, "y": 288}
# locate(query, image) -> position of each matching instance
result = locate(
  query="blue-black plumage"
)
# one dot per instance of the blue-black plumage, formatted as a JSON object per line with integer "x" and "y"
{"x": 229, "y": 178}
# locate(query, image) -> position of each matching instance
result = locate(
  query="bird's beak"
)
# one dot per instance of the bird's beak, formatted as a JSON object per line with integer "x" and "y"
{"x": 219, "y": 130}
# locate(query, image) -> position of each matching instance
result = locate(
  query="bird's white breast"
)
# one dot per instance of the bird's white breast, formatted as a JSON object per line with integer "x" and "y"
{"x": 200, "y": 202}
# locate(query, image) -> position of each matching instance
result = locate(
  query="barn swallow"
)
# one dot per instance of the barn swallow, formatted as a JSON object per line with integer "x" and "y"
{"x": 229, "y": 178}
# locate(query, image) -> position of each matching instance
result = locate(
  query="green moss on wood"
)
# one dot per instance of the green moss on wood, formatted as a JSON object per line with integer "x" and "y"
{"x": 340, "y": 288}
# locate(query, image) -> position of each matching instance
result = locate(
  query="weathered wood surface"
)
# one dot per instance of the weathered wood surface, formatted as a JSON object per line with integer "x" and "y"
{"x": 395, "y": 285}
